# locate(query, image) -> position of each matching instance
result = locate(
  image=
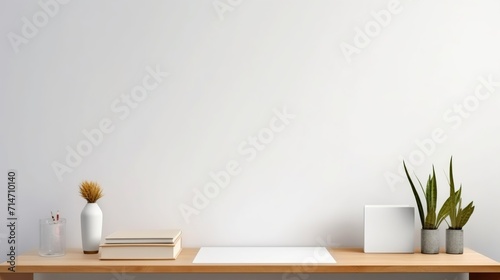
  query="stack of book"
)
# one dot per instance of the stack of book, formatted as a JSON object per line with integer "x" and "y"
{"x": 141, "y": 245}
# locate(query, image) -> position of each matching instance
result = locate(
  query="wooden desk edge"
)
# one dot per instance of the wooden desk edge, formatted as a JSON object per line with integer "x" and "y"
{"x": 76, "y": 262}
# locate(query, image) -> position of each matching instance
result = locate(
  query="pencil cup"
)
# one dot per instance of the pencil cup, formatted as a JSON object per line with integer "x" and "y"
{"x": 52, "y": 238}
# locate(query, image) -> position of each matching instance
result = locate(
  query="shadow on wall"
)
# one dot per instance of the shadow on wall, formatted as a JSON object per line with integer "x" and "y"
{"x": 350, "y": 234}
{"x": 344, "y": 232}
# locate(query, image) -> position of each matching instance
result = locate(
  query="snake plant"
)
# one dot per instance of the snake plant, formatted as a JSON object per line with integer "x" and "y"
{"x": 458, "y": 216}
{"x": 431, "y": 220}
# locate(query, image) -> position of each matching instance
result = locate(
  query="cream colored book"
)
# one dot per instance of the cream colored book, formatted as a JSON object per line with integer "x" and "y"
{"x": 166, "y": 236}
{"x": 140, "y": 251}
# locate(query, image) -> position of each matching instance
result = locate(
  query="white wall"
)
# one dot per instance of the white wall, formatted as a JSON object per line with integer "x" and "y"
{"x": 360, "y": 106}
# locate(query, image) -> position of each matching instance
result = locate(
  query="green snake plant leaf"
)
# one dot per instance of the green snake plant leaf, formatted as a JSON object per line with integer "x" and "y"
{"x": 417, "y": 197}
{"x": 453, "y": 197}
{"x": 431, "y": 201}
{"x": 430, "y": 218}
{"x": 458, "y": 216}
{"x": 456, "y": 224}
{"x": 431, "y": 197}
{"x": 444, "y": 211}
{"x": 466, "y": 213}
{"x": 456, "y": 208}
{"x": 430, "y": 221}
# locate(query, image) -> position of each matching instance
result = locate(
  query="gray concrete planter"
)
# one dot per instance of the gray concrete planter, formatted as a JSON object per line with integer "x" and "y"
{"x": 429, "y": 241}
{"x": 454, "y": 241}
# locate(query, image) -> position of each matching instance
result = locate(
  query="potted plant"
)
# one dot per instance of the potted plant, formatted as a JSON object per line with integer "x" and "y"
{"x": 458, "y": 217}
{"x": 91, "y": 217}
{"x": 429, "y": 241}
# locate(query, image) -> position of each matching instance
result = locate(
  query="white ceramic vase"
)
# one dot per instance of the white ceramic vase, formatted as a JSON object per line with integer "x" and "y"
{"x": 91, "y": 223}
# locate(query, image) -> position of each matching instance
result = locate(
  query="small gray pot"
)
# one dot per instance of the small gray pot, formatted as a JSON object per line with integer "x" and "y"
{"x": 454, "y": 241}
{"x": 429, "y": 241}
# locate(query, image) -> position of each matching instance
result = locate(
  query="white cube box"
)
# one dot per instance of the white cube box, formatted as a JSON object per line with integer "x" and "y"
{"x": 389, "y": 229}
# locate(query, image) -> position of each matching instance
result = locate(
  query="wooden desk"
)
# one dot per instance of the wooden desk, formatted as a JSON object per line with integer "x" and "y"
{"x": 348, "y": 260}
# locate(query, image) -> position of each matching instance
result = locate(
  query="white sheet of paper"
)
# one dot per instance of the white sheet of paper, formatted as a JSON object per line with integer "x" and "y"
{"x": 296, "y": 255}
